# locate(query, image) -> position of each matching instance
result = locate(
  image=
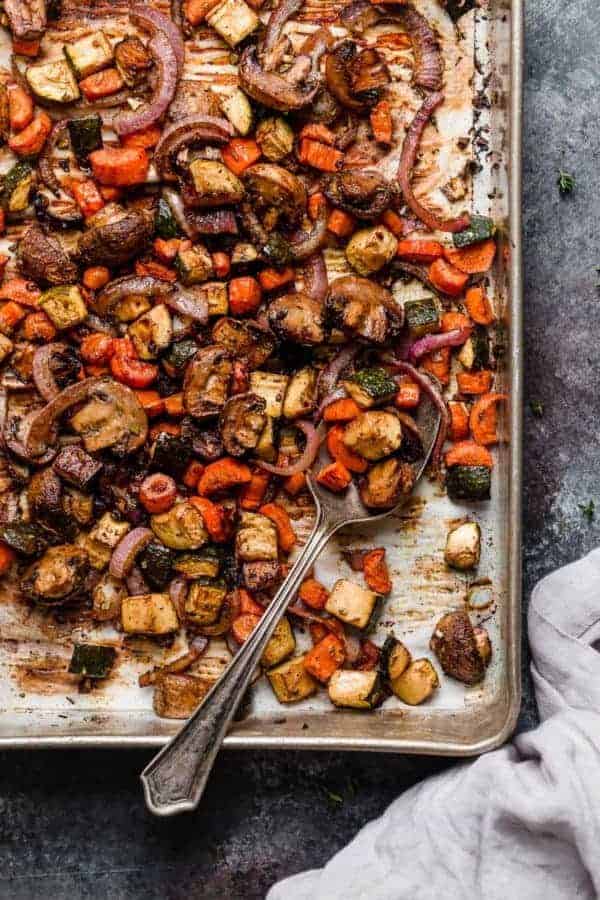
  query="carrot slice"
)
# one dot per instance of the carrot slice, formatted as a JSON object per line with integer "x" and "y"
{"x": 271, "y": 279}
{"x": 245, "y": 295}
{"x": 438, "y": 364}
{"x": 253, "y": 493}
{"x": 243, "y": 626}
{"x": 317, "y": 132}
{"x": 295, "y": 484}
{"x": 376, "y": 571}
{"x": 452, "y": 321}
{"x": 38, "y": 327}
{"x": 30, "y": 141}
{"x": 314, "y": 204}
{"x": 215, "y": 519}
{"x": 474, "y": 258}
{"x": 152, "y": 404}
{"x": 409, "y": 393}
{"x": 248, "y": 604}
{"x": 120, "y": 166}
{"x": 20, "y": 107}
{"x": 419, "y": 251}
{"x": 320, "y": 156}
{"x": 459, "y": 421}
{"x": 341, "y": 223}
{"x": 381, "y": 122}
{"x": 240, "y": 154}
{"x": 101, "y": 84}
{"x": 340, "y": 453}
{"x": 325, "y": 657}
{"x": 335, "y": 477}
{"x": 479, "y": 306}
{"x": 447, "y": 278}
{"x": 484, "y": 418}
{"x": 192, "y": 474}
{"x": 286, "y": 535}
{"x": 313, "y": 593}
{"x": 475, "y": 382}
{"x": 343, "y": 410}
{"x": 222, "y": 475}
{"x": 21, "y": 291}
{"x": 469, "y": 453}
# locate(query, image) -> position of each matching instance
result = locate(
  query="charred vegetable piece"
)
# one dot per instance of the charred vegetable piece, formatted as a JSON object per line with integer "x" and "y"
{"x": 85, "y": 133}
{"x": 179, "y": 356}
{"x": 133, "y": 60}
{"x": 261, "y": 575}
{"x": 275, "y": 138}
{"x": 386, "y": 483}
{"x": 298, "y": 318}
{"x": 64, "y": 305}
{"x": 206, "y": 383}
{"x": 181, "y": 528}
{"x": 256, "y": 539}
{"x": 205, "y": 563}
{"x": 170, "y": 455}
{"x": 156, "y": 563}
{"x": 395, "y": 659}
{"x": 242, "y": 421}
{"x": 244, "y": 340}
{"x": 204, "y": 601}
{"x": 301, "y": 394}
{"x": 352, "y": 603}
{"x": 422, "y": 316}
{"x": 238, "y": 110}
{"x": 469, "y": 482}
{"x": 463, "y": 546}
{"x": 29, "y": 540}
{"x": 454, "y": 643}
{"x": 53, "y": 81}
{"x": 194, "y": 265}
{"x": 107, "y": 597}
{"x": 281, "y": 644}
{"x": 152, "y": 333}
{"x": 92, "y": 660}
{"x": 373, "y": 434}
{"x": 271, "y": 388}
{"x": 370, "y": 386}
{"x": 89, "y": 54}
{"x": 475, "y": 352}
{"x": 164, "y": 220}
{"x": 417, "y": 683}
{"x": 176, "y": 696}
{"x": 152, "y": 614}
{"x": 58, "y": 576}
{"x": 41, "y": 256}
{"x": 363, "y": 310}
{"x": 480, "y": 229}
{"x": 17, "y": 186}
{"x": 355, "y": 689}
{"x": 233, "y": 20}
{"x": 291, "y": 682}
{"x": 214, "y": 183}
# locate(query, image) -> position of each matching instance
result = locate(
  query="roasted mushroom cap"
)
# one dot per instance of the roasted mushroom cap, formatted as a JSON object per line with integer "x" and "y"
{"x": 273, "y": 185}
{"x": 355, "y": 78}
{"x": 206, "y": 382}
{"x": 43, "y": 258}
{"x": 386, "y": 483}
{"x": 298, "y": 318}
{"x": 455, "y": 644}
{"x": 363, "y": 310}
{"x": 115, "y": 241}
{"x": 244, "y": 340}
{"x": 58, "y": 576}
{"x": 44, "y": 494}
{"x": 365, "y": 195}
{"x": 273, "y": 90}
{"x": 27, "y": 18}
{"x": 242, "y": 422}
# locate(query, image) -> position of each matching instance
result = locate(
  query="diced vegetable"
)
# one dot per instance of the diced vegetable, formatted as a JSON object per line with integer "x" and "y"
{"x": 469, "y": 482}
{"x": 170, "y": 454}
{"x": 236, "y": 107}
{"x": 281, "y": 644}
{"x": 152, "y": 614}
{"x": 256, "y": 538}
{"x": 417, "y": 683}
{"x": 370, "y": 386}
{"x": 369, "y": 249}
{"x": 335, "y": 477}
{"x": 472, "y": 259}
{"x": 275, "y": 138}
{"x": 395, "y": 659}
{"x": 152, "y": 333}
{"x": 475, "y": 352}
{"x": 215, "y": 183}
{"x": 291, "y": 682}
{"x": 120, "y": 166}
{"x": 480, "y": 229}
{"x": 355, "y": 689}
{"x": 92, "y": 660}
{"x": 447, "y": 278}
{"x": 53, "y": 81}
{"x": 205, "y": 563}
{"x": 156, "y": 564}
{"x": 164, "y": 220}
{"x": 422, "y": 316}
{"x": 463, "y": 546}
{"x": 233, "y": 20}
{"x": 301, "y": 394}
{"x": 352, "y": 603}
{"x": 89, "y": 54}
{"x": 204, "y": 601}
{"x": 272, "y": 388}
{"x": 181, "y": 528}
{"x": 85, "y": 133}
{"x": 64, "y": 305}
{"x": 176, "y": 695}
{"x": 373, "y": 434}
{"x": 325, "y": 657}
{"x": 18, "y": 182}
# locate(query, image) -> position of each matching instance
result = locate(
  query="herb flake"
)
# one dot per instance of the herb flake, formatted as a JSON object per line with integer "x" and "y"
{"x": 537, "y": 408}
{"x": 566, "y": 182}
{"x": 588, "y": 510}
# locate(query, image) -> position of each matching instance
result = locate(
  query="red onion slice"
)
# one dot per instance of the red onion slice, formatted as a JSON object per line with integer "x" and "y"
{"x": 407, "y": 161}
{"x": 315, "y": 277}
{"x": 46, "y": 161}
{"x": 187, "y": 304}
{"x": 152, "y": 20}
{"x": 307, "y": 457}
{"x": 178, "y": 592}
{"x": 338, "y": 394}
{"x": 193, "y": 129}
{"x": 176, "y": 203}
{"x": 427, "y": 385}
{"x": 43, "y": 378}
{"x": 166, "y": 62}
{"x": 328, "y": 377}
{"x": 429, "y": 67}
{"x": 126, "y": 551}
{"x": 432, "y": 342}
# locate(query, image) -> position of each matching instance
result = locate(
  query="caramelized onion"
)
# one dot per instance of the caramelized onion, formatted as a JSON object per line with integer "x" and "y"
{"x": 307, "y": 457}
{"x": 188, "y": 304}
{"x": 315, "y": 277}
{"x": 46, "y": 161}
{"x": 432, "y": 342}
{"x": 126, "y": 551}
{"x": 308, "y": 244}
{"x": 427, "y": 385}
{"x": 191, "y": 130}
{"x": 429, "y": 67}
{"x": 152, "y": 20}
{"x": 166, "y": 63}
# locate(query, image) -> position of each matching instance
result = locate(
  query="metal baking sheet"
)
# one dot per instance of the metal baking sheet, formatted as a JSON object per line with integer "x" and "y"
{"x": 39, "y": 702}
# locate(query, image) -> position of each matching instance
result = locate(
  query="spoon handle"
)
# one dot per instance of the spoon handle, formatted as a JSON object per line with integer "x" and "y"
{"x": 175, "y": 779}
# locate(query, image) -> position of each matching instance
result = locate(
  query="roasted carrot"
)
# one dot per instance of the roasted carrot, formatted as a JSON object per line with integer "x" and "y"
{"x": 223, "y": 474}
{"x": 101, "y": 84}
{"x": 469, "y": 453}
{"x": 120, "y": 166}
{"x": 157, "y": 493}
{"x": 253, "y": 493}
{"x": 38, "y": 327}
{"x": 454, "y": 321}
{"x": 340, "y": 453}
{"x": 21, "y": 291}
{"x": 484, "y": 418}
{"x": 245, "y": 295}
{"x": 147, "y": 138}
{"x": 343, "y": 410}
{"x": 25, "y": 48}
{"x": 398, "y": 225}
{"x": 419, "y": 251}
{"x": 320, "y": 156}
{"x": 96, "y": 348}
{"x": 479, "y": 306}
{"x": 240, "y": 153}
{"x": 459, "y": 420}
{"x": 438, "y": 364}
{"x": 447, "y": 278}
{"x": 409, "y": 393}
{"x": 87, "y": 196}
{"x": 221, "y": 264}
{"x": 325, "y": 657}
{"x": 341, "y": 223}
{"x": 381, "y": 122}
{"x": 317, "y": 132}
{"x": 30, "y": 141}
{"x": 96, "y": 277}
{"x": 248, "y": 604}
{"x": 2, "y": 222}
{"x": 128, "y": 368}
{"x": 376, "y": 571}
{"x": 313, "y": 593}
{"x": 218, "y": 524}
{"x": 286, "y": 535}
{"x": 110, "y": 194}
{"x": 166, "y": 250}
{"x": 20, "y": 107}
{"x": 11, "y": 314}
{"x": 271, "y": 279}
{"x": 475, "y": 382}
{"x": 174, "y": 405}
{"x": 192, "y": 474}
{"x": 243, "y": 626}
{"x": 315, "y": 202}
{"x": 335, "y": 477}
{"x": 155, "y": 269}
{"x": 474, "y": 258}
{"x": 196, "y": 11}
{"x": 151, "y": 402}
{"x": 295, "y": 484}
{"x": 7, "y": 557}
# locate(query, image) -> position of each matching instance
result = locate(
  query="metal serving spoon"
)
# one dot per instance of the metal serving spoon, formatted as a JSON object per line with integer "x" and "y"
{"x": 175, "y": 779}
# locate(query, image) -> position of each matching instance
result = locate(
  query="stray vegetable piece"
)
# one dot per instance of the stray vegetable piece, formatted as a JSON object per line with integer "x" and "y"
{"x": 313, "y": 594}
{"x": 417, "y": 683}
{"x": 354, "y": 689}
{"x": 157, "y": 493}
{"x": 376, "y": 571}
{"x": 455, "y": 644}
{"x": 351, "y": 603}
{"x": 325, "y": 658}
{"x": 335, "y": 477}
{"x": 463, "y": 546}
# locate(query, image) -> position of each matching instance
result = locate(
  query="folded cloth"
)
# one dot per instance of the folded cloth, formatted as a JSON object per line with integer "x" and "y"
{"x": 521, "y": 823}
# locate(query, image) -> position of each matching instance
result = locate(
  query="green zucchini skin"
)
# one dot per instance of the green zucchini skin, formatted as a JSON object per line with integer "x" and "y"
{"x": 180, "y": 354}
{"x": 376, "y": 382}
{"x": 480, "y": 229}
{"x": 16, "y": 189}
{"x": 92, "y": 660}
{"x": 156, "y": 563}
{"x": 469, "y": 482}
{"x": 26, "y": 539}
{"x": 164, "y": 221}
{"x": 86, "y": 134}
{"x": 203, "y": 563}
{"x": 422, "y": 316}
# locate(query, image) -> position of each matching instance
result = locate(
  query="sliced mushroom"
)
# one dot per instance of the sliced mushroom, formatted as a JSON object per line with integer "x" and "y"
{"x": 353, "y": 77}
{"x": 365, "y": 195}
{"x": 115, "y": 242}
{"x": 44, "y": 494}
{"x": 273, "y": 90}
{"x": 456, "y": 646}
{"x": 273, "y": 185}
{"x": 58, "y": 576}
{"x": 363, "y": 310}
{"x": 245, "y": 340}
{"x": 242, "y": 422}
{"x": 298, "y": 318}
{"x": 43, "y": 258}
{"x": 206, "y": 382}
{"x": 386, "y": 483}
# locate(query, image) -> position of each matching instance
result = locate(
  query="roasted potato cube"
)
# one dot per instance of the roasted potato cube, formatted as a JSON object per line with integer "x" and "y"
{"x": 215, "y": 294}
{"x": 153, "y": 332}
{"x": 301, "y": 393}
{"x": 373, "y": 434}
{"x": 177, "y": 696}
{"x": 463, "y": 546}
{"x": 64, "y": 306}
{"x": 204, "y": 601}
{"x": 233, "y": 20}
{"x": 181, "y": 528}
{"x": 194, "y": 265}
{"x": 291, "y": 682}
{"x": 386, "y": 483}
{"x": 275, "y": 138}
{"x": 98, "y": 554}
{"x": 355, "y": 689}
{"x": 256, "y": 538}
{"x": 109, "y": 530}
{"x": 238, "y": 110}
{"x": 417, "y": 682}
{"x": 148, "y": 614}
{"x": 282, "y": 644}
{"x": 351, "y": 603}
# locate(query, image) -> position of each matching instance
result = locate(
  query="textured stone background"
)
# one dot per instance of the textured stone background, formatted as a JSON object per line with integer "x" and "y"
{"x": 72, "y": 824}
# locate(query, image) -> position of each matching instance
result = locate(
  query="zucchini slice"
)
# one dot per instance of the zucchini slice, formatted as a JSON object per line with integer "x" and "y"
{"x": 291, "y": 682}
{"x": 86, "y": 134}
{"x": 238, "y": 110}
{"x": 469, "y": 482}
{"x": 164, "y": 220}
{"x": 480, "y": 229}
{"x": 92, "y": 660}
{"x": 18, "y": 182}
{"x": 205, "y": 563}
{"x": 355, "y": 689}
{"x": 53, "y": 81}
{"x": 475, "y": 352}
{"x": 422, "y": 316}
{"x": 89, "y": 54}
{"x": 370, "y": 386}
{"x": 204, "y": 601}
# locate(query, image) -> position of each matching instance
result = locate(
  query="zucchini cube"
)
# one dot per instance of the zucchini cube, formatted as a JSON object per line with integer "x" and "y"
{"x": 92, "y": 660}
{"x": 422, "y": 316}
{"x": 89, "y": 54}
{"x": 281, "y": 644}
{"x": 272, "y": 388}
{"x": 177, "y": 696}
{"x": 291, "y": 682}
{"x": 148, "y": 614}
{"x": 194, "y": 265}
{"x": 204, "y": 601}
{"x": 351, "y": 603}
{"x": 64, "y": 306}
{"x": 355, "y": 689}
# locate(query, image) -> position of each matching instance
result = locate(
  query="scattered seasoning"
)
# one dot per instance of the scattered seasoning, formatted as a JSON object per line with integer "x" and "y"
{"x": 588, "y": 510}
{"x": 537, "y": 408}
{"x": 566, "y": 182}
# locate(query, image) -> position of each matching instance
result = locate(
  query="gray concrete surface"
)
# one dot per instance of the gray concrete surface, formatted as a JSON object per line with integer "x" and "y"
{"x": 72, "y": 825}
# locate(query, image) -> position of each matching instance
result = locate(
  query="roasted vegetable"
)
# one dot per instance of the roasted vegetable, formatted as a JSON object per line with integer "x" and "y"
{"x": 206, "y": 562}
{"x": 156, "y": 565}
{"x": 301, "y": 394}
{"x": 164, "y": 220}
{"x": 206, "y": 383}
{"x": 53, "y": 81}
{"x": 369, "y": 249}
{"x": 297, "y": 318}
{"x": 371, "y": 386}
{"x": 233, "y": 20}
{"x": 57, "y": 577}
{"x": 92, "y": 660}
{"x": 455, "y": 645}
{"x": 475, "y": 352}
{"x": 291, "y": 682}
{"x": 256, "y": 538}
{"x": 242, "y": 422}
{"x": 281, "y": 644}
{"x": 422, "y": 316}
{"x": 352, "y": 603}
{"x": 356, "y": 690}
{"x": 16, "y": 188}
{"x": 170, "y": 455}
{"x": 395, "y": 659}
{"x": 237, "y": 108}
{"x": 214, "y": 183}
{"x": 480, "y": 228}
{"x": 176, "y": 696}
{"x": 181, "y": 528}
{"x": 386, "y": 483}
{"x": 463, "y": 546}
{"x": 152, "y": 333}
{"x": 417, "y": 683}
{"x": 468, "y": 482}
{"x": 204, "y": 601}
{"x": 89, "y": 54}
{"x": 271, "y": 388}
{"x": 41, "y": 256}
{"x": 373, "y": 434}
{"x": 152, "y": 614}
{"x": 275, "y": 138}
{"x": 85, "y": 133}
